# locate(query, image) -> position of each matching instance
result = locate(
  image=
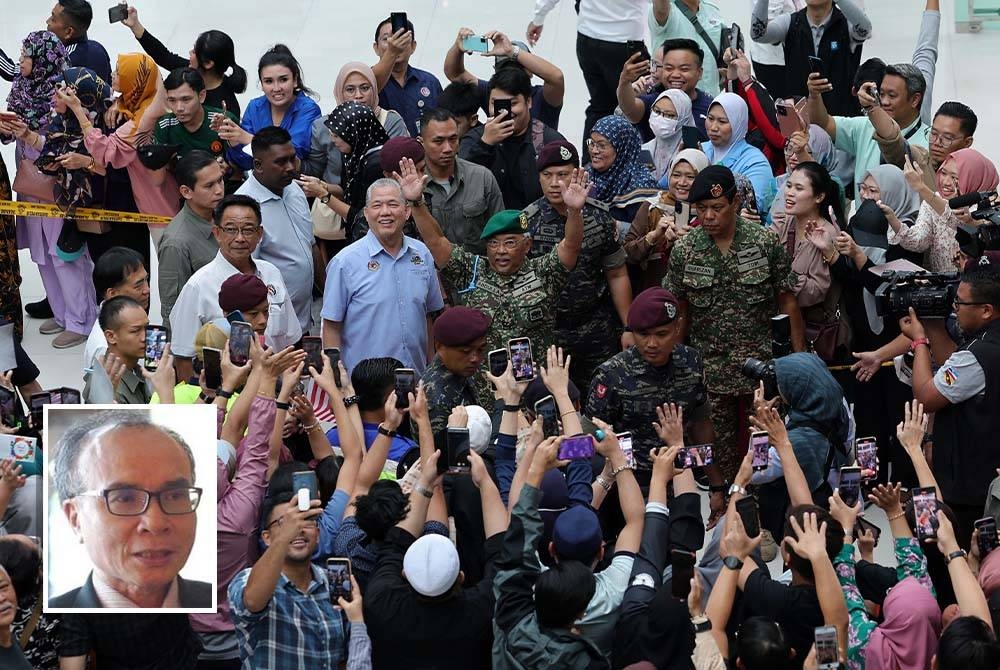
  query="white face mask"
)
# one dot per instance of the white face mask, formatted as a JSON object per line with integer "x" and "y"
{"x": 663, "y": 127}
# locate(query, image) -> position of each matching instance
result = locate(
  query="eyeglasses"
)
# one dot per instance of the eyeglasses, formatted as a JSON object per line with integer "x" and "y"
{"x": 363, "y": 88}
{"x": 597, "y": 145}
{"x": 956, "y": 303}
{"x": 666, "y": 115}
{"x": 309, "y": 523}
{"x": 129, "y": 501}
{"x": 655, "y": 67}
{"x": 508, "y": 245}
{"x": 944, "y": 140}
{"x": 245, "y": 232}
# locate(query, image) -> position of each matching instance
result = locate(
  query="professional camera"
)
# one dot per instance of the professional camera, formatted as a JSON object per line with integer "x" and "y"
{"x": 762, "y": 371}
{"x": 781, "y": 336}
{"x": 930, "y": 294}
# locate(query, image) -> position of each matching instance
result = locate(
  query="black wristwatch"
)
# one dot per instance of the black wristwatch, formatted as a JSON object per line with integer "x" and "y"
{"x": 207, "y": 399}
{"x": 732, "y": 563}
{"x": 382, "y": 430}
{"x": 223, "y": 393}
{"x": 350, "y": 400}
{"x": 718, "y": 488}
{"x": 961, "y": 553}
{"x": 511, "y": 408}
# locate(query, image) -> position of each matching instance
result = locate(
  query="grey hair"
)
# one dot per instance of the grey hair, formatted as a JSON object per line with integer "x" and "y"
{"x": 914, "y": 78}
{"x": 81, "y": 436}
{"x": 384, "y": 182}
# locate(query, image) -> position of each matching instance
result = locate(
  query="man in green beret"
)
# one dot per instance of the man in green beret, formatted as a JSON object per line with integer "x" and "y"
{"x": 519, "y": 294}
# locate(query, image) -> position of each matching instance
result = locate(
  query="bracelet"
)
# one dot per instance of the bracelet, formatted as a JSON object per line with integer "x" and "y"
{"x": 93, "y": 165}
{"x": 736, "y": 488}
{"x": 567, "y": 413}
{"x": 961, "y": 553}
{"x": 350, "y": 400}
{"x": 897, "y": 516}
{"x": 604, "y": 483}
{"x": 223, "y": 393}
{"x": 382, "y": 430}
{"x": 314, "y": 426}
{"x": 511, "y": 408}
{"x": 282, "y": 405}
{"x": 621, "y": 468}
{"x": 832, "y": 259}
{"x": 424, "y": 491}
{"x": 917, "y": 342}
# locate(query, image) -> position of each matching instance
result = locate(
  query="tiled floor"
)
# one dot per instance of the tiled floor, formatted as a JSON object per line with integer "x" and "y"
{"x": 323, "y": 35}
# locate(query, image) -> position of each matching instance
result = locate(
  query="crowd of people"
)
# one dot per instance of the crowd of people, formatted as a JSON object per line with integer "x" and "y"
{"x": 517, "y": 363}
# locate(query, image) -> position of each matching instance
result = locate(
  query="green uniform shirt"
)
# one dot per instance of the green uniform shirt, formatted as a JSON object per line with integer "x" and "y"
{"x": 170, "y": 131}
{"x": 731, "y": 299}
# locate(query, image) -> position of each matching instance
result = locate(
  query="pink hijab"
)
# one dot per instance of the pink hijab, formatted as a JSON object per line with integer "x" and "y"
{"x": 347, "y": 71}
{"x": 908, "y": 638}
{"x": 976, "y": 172}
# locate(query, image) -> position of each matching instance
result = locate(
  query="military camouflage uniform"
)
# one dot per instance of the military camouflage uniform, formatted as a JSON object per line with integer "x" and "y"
{"x": 445, "y": 390}
{"x": 731, "y": 299}
{"x": 587, "y": 324}
{"x": 626, "y": 390}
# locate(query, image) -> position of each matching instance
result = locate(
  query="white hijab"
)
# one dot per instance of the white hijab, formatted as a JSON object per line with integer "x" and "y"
{"x": 738, "y": 114}
{"x": 663, "y": 150}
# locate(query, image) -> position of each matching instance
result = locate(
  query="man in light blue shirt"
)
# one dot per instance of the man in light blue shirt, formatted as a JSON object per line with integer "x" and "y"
{"x": 381, "y": 290}
{"x": 287, "y": 240}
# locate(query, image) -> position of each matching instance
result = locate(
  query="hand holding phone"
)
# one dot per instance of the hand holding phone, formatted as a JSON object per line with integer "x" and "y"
{"x": 827, "y": 648}
{"x": 986, "y": 538}
{"x": 156, "y": 340}
{"x": 458, "y": 451}
{"x": 683, "y": 572}
{"x": 405, "y": 384}
{"x": 925, "y": 510}
{"x": 118, "y": 13}
{"x": 850, "y": 485}
{"x": 522, "y": 362}
{"x": 759, "y": 444}
{"x": 398, "y": 21}
{"x": 475, "y": 44}
{"x": 338, "y": 575}
{"x": 313, "y": 346}
{"x": 498, "y": 362}
{"x": 240, "y": 333}
{"x": 306, "y": 486}
{"x": 333, "y": 354}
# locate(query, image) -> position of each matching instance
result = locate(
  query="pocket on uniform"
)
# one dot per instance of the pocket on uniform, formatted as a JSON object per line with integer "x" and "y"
{"x": 473, "y": 209}
{"x": 699, "y": 289}
{"x": 754, "y": 286}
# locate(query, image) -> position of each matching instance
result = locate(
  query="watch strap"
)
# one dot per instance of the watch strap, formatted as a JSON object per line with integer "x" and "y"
{"x": 917, "y": 342}
{"x": 732, "y": 563}
{"x": 382, "y": 430}
{"x": 736, "y": 488}
{"x": 223, "y": 393}
{"x": 350, "y": 400}
{"x": 961, "y": 553}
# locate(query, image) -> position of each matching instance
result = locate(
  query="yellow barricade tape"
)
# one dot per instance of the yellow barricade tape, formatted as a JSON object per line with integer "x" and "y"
{"x": 18, "y": 208}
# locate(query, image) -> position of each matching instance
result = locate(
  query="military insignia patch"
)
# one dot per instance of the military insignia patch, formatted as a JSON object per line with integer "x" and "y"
{"x": 565, "y": 154}
{"x": 601, "y": 390}
{"x": 949, "y": 376}
{"x": 523, "y": 220}
{"x": 416, "y": 260}
{"x": 670, "y": 308}
{"x": 716, "y": 190}
{"x": 373, "y": 265}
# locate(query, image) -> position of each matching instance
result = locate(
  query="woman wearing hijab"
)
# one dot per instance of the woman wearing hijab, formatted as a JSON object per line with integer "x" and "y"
{"x": 670, "y": 112}
{"x": 141, "y": 103}
{"x": 619, "y": 178}
{"x": 655, "y": 229}
{"x": 355, "y": 82}
{"x": 726, "y": 125}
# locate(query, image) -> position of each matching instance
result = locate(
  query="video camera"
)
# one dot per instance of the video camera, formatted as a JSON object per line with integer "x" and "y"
{"x": 986, "y": 236}
{"x": 930, "y": 294}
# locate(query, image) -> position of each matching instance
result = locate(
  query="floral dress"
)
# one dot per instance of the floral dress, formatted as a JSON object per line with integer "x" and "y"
{"x": 934, "y": 235}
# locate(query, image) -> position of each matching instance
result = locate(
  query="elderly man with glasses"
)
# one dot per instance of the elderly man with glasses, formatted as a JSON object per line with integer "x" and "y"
{"x": 127, "y": 488}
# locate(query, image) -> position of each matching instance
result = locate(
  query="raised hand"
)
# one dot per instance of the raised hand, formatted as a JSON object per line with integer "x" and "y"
{"x": 913, "y": 427}
{"x": 867, "y": 365}
{"x": 555, "y": 374}
{"x": 411, "y": 180}
{"x": 574, "y": 192}
{"x": 669, "y": 425}
{"x": 810, "y": 538}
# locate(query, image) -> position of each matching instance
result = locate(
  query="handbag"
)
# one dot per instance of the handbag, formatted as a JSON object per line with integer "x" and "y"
{"x": 31, "y": 182}
{"x": 820, "y": 323}
{"x": 327, "y": 224}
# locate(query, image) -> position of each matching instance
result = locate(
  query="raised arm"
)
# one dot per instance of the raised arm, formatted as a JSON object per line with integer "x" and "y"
{"x": 970, "y": 597}
{"x": 858, "y": 22}
{"x": 629, "y": 494}
{"x": 454, "y": 60}
{"x": 767, "y": 418}
{"x": 734, "y": 542}
{"x": 397, "y": 44}
{"x": 494, "y": 512}
{"x": 574, "y": 197}
{"x": 910, "y": 432}
{"x": 765, "y": 30}
{"x": 632, "y": 107}
{"x": 818, "y": 85}
{"x": 553, "y": 81}
{"x": 352, "y": 444}
{"x": 926, "y": 53}
{"x": 509, "y": 392}
{"x": 152, "y": 46}
{"x": 412, "y": 182}
{"x": 374, "y": 461}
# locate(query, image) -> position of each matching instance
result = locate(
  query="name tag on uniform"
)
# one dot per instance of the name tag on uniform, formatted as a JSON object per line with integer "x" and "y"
{"x": 750, "y": 259}
{"x": 691, "y": 269}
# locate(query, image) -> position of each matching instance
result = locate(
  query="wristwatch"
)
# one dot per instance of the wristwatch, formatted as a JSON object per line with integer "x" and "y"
{"x": 326, "y": 198}
{"x": 701, "y": 624}
{"x": 961, "y": 553}
{"x": 736, "y": 488}
{"x": 425, "y": 492}
{"x": 382, "y": 430}
{"x": 350, "y": 400}
{"x": 732, "y": 563}
{"x": 223, "y": 393}
{"x": 417, "y": 203}
{"x": 515, "y": 52}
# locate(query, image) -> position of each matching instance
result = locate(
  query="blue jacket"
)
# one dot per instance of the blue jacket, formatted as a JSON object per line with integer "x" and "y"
{"x": 297, "y": 121}
{"x": 749, "y": 161}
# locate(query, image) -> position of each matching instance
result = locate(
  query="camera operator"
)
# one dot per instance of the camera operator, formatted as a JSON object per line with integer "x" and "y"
{"x": 964, "y": 393}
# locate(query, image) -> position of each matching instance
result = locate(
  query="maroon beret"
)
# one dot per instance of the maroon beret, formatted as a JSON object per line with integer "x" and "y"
{"x": 459, "y": 325}
{"x": 241, "y": 292}
{"x": 653, "y": 307}
{"x": 396, "y": 150}
{"x": 558, "y": 152}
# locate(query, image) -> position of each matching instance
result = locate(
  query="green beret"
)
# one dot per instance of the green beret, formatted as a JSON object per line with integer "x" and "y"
{"x": 505, "y": 221}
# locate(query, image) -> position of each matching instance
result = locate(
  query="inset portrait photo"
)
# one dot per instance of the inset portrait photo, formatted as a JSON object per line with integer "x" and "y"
{"x": 130, "y": 508}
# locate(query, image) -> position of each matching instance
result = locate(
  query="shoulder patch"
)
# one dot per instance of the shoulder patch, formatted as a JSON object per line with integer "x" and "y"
{"x": 598, "y": 204}
{"x": 600, "y": 391}
{"x": 643, "y": 579}
{"x": 531, "y": 210}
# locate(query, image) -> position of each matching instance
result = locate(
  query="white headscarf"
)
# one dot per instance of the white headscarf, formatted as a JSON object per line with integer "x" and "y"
{"x": 738, "y": 115}
{"x": 663, "y": 150}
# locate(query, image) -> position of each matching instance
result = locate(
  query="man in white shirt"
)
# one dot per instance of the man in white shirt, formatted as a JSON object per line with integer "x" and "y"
{"x": 238, "y": 231}
{"x": 118, "y": 271}
{"x": 287, "y": 235}
{"x": 603, "y": 29}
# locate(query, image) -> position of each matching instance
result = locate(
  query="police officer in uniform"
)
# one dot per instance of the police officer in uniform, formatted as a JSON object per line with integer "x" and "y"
{"x": 628, "y": 388}
{"x": 594, "y": 305}
{"x": 730, "y": 277}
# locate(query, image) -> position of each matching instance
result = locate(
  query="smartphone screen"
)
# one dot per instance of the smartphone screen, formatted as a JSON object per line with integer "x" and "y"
{"x": 690, "y": 138}
{"x": 213, "y": 367}
{"x": 759, "y": 443}
{"x": 458, "y": 450}
{"x": 475, "y": 43}
{"x": 306, "y": 479}
{"x": 338, "y": 574}
{"x": 925, "y": 512}
{"x": 156, "y": 339}
{"x": 313, "y": 346}
{"x": 850, "y": 485}
{"x": 862, "y": 525}
{"x": 578, "y": 446}
{"x": 747, "y": 509}
{"x": 118, "y": 13}
{"x": 406, "y": 383}
{"x": 546, "y": 409}
{"x": 625, "y": 442}
{"x": 333, "y": 353}
{"x": 501, "y": 104}
{"x": 10, "y": 408}
{"x": 683, "y": 571}
{"x": 498, "y": 361}
{"x": 35, "y": 406}
{"x": 867, "y": 454}
{"x": 695, "y": 456}
{"x": 987, "y": 539}
{"x": 69, "y": 396}
{"x": 827, "y": 651}
{"x": 816, "y": 65}
{"x": 520, "y": 357}
{"x": 398, "y": 21}
{"x": 239, "y": 342}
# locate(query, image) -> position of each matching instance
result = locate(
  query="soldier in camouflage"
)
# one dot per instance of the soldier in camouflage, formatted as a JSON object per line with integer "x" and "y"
{"x": 627, "y": 389}
{"x": 730, "y": 277}
{"x": 591, "y": 309}
{"x": 460, "y": 348}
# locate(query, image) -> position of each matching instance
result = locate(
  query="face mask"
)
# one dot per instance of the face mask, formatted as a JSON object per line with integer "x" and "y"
{"x": 663, "y": 127}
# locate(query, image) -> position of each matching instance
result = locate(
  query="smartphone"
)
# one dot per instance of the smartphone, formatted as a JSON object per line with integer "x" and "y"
{"x": 498, "y": 361}
{"x": 520, "y": 356}
{"x": 212, "y": 365}
{"x": 578, "y": 446}
{"x": 406, "y": 383}
{"x": 305, "y": 479}
{"x": 736, "y": 38}
{"x": 749, "y": 200}
{"x": 925, "y": 509}
{"x": 234, "y": 316}
{"x": 725, "y": 39}
{"x": 862, "y": 525}
{"x": 760, "y": 444}
{"x": 338, "y": 574}
{"x": 501, "y": 104}
{"x": 476, "y": 44}
{"x": 690, "y": 137}
{"x": 746, "y": 507}
{"x": 69, "y": 396}
{"x": 987, "y": 540}
{"x": 827, "y": 649}
{"x": 156, "y": 339}
{"x": 398, "y": 21}
{"x": 35, "y": 404}
{"x": 458, "y": 450}
{"x": 789, "y": 121}
{"x": 867, "y": 454}
{"x": 118, "y": 13}
{"x": 850, "y": 485}
{"x": 816, "y": 65}
{"x": 240, "y": 333}
{"x": 682, "y": 214}
{"x": 313, "y": 346}
{"x": 625, "y": 442}
{"x": 546, "y": 409}
{"x": 633, "y": 47}
{"x": 695, "y": 456}
{"x": 683, "y": 571}
{"x": 10, "y": 407}
{"x": 333, "y": 353}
